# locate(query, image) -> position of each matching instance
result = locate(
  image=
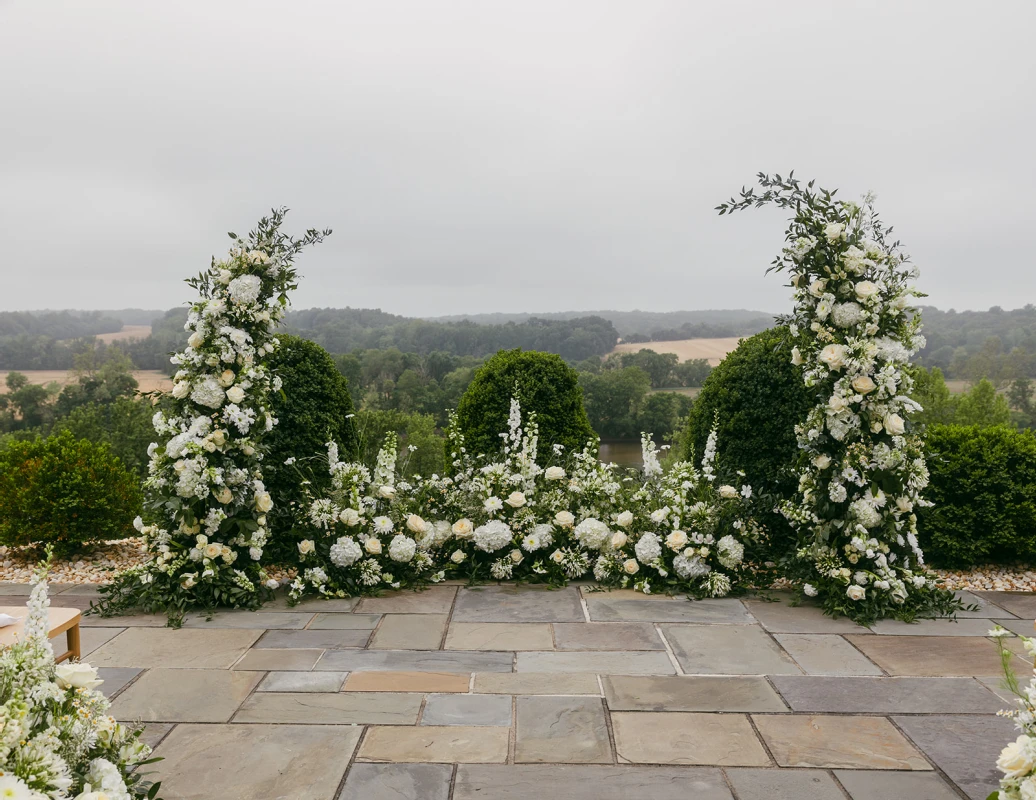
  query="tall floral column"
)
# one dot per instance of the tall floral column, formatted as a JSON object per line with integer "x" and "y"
{"x": 862, "y": 467}
{"x": 206, "y": 508}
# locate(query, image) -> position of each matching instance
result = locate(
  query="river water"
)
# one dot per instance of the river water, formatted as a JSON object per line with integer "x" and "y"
{"x": 625, "y": 453}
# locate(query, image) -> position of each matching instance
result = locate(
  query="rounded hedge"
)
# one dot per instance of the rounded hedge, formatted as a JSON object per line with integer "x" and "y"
{"x": 543, "y": 383}
{"x": 757, "y": 397}
{"x": 983, "y": 486}
{"x": 312, "y": 408}
{"x": 65, "y": 492}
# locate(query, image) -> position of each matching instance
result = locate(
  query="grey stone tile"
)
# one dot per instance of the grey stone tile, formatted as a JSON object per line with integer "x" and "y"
{"x": 1020, "y": 604}
{"x": 1023, "y": 627}
{"x": 567, "y": 730}
{"x": 320, "y": 639}
{"x": 617, "y": 663}
{"x": 964, "y": 747}
{"x": 467, "y": 709}
{"x": 784, "y": 784}
{"x": 500, "y": 636}
{"x": 780, "y": 617}
{"x": 169, "y": 648}
{"x": 996, "y": 685}
{"x": 254, "y": 762}
{"x": 685, "y": 693}
{"x": 518, "y": 604}
{"x": 433, "y": 600}
{"x": 933, "y": 627}
{"x": 155, "y": 732}
{"x": 185, "y": 695}
{"x": 10, "y": 589}
{"x": 342, "y": 622}
{"x": 575, "y": 782}
{"x": 397, "y": 782}
{"x": 878, "y": 785}
{"x": 886, "y": 695}
{"x": 652, "y": 737}
{"x": 826, "y": 654}
{"x": 415, "y": 661}
{"x": 728, "y": 650}
{"x": 987, "y": 607}
{"x": 91, "y": 590}
{"x": 607, "y": 636}
{"x": 340, "y": 708}
{"x": 92, "y": 638}
{"x": 605, "y": 608}
{"x": 537, "y": 683}
{"x": 303, "y": 682}
{"x": 832, "y": 742}
{"x": 316, "y": 605}
{"x": 116, "y": 679}
{"x": 410, "y": 632}
{"x": 259, "y": 620}
{"x": 933, "y": 656}
{"x": 125, "y": 621}
{"x": 285, "y": 660}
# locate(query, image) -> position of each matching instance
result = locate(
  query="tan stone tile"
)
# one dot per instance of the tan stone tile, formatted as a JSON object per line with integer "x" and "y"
{"x": 185, "y": 695}
{"x": 166, "y": 647}
{"x": 452, "y": 744}
{"x": 674, "y": 737}
{"x": 537, "y": 683}
{"x": 381, "y": 681}
{"x": 409, "y": 632}
{"x": 338, "y": 708}
{"x": 434, "y": 600}
{"x": 297, "y": 660}
{"x": 933, "y": 656}
{"x": 836, "y": 742}
{"x": 607, "y": 636}
{"x": 499, "y": 636}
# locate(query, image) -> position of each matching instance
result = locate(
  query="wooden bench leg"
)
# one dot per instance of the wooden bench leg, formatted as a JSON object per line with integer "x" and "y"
{"x": 73, "y": 643}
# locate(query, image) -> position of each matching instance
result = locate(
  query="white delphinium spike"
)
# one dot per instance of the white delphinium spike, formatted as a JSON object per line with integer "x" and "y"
{"x": 385, "y": 469}
{"x": 649, "y": 454}
{"x": 708, "y": 460}
{"x": 36, "y": 623}
{"x": 513, "y": 437}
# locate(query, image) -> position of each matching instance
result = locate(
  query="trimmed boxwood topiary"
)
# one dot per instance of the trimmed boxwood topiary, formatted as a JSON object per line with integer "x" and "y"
{"x": 983, "y": 486}
{"x": 543, "y": 383}
{"x": 757, "y": 397}
{"x": 65, "y": 492}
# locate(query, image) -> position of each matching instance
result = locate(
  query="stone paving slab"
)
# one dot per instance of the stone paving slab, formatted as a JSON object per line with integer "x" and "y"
{"x": 684, "y": 693}
{"x": 465, "y": 661}
{"x": 826, "y": 654}
{"x": 568, "y": 730}
{"x": 573, "y": 782}
{"x": 254, "y": 762}
{"x": 406, "y": 682}
{"x": 155, "y": 732}
{"x": 542, "y": 683}
{"x": 366, "y": 622}
{"x": 843, "y": 742}
{"x": 934, "y": 656}
{"x": 728, "y": 650}
{"x": 780, "y": 617}
{"x": 339, "y": 708}
{"x": 886, "y": 695}
{"x": 786, "y": 784}
{"x": 467, "y": 709}
{"x": 302, "y": 682}
{"x": 185, "y": 695}
{"x": 876, "y": 785}
{"x": 499, "y": 636}
{"x": 433, "y": 600}
{"x": 616, "y": 663}
{"x": 284, "y": 660}
{"x": 409, "y": 632}
{"x": 964, "y": 747}
{"x": 326, "y": 639}
{"x": 397, "y": 782}
{"x": 686, "y": 738}
{"x": 607, "y": 636}
{"x": 518, "y": 604}
{"x": 259, "y": 620}
{"x": 934, "y": 627}
{"x": 92, "y": 638}
{"x": 126, "y": 621}
{"x": 325, "y": 605}
{"x": 1023, "y": 627}
{"x": 1020, "y": 604}
{"x": 450, "y": 744}
{"x": 116, "y": 679}
{"x": 987, "y": 608}
{"x": 605, "y": 607}
{"x": 166, "y": 647}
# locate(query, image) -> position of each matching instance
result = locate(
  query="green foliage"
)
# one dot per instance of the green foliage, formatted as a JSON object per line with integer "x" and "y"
{"x": 931, "y": 391}
{"x": 756, "y": 397}
{"x": 65, "y": 493}
{"x": 25, "y": 405}
{"x": 543, "y": 384}
{"x": 417, "y": 431}
{"x": 981, "y": 405}
{"x": 1019, "y": 398}
{"x": 99, "y": 380}
{"x": 662, "y": 413}
{"x": 123, "y": 425}
{"x": 983, "y": 486}
{"x": 995, "y": 344}
{"x": 614, "y": 399}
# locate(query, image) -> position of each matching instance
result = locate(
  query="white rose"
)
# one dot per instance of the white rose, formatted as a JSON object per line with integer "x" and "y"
{"x": 564, "y": 519}
{"x": 387, "y": 492}
{"x": 817, "y": 287}
{"x": 557, "y": 556}
{"x": 809, "y": 590}
{"x": 727, "y": 492}
{"x": 894, "y": 424}
{"x": 227, "y": 378}
{"x": 219, "y": 438}
{"x": 212, "y": 550}
{"x": 677, "y": 540}
{"x": 181, "y": 389}
{"x": 796, "y": 356}
{"x": 822, "y": 461}
{"x": 458, "y": 556}
{"x": 196, "y": 340}
{"x": 263, "y": 502}
{"x": 350, "y": 516}
{"x": 462, "y": 529}
{"x": 225, "y": 275}
{"x": 416, "y": 524}
{"x": 837, "y": 403}
{"x": 224, "y": 495}
{"x": 856, "y": 592}
{"x": 834, "y": 231}
{"x": 235, "y": 394}
{"x": 618, "y": 540}
{"x": 864, "y": 384}
{"x": 554, "y": 473}
{"x": 865, "y": 290}
{"x": 307, "y": 546}
{"x": 372, "y": 546}
{"x": 516, "y": 556}
{"x": 76, "y": 676}
{"x": 625, "y": 519}
{"x": 630, "y": 566}
{"x": 248, "y": 450}
{"x": 1015, "y": 760}
{"x": 834, "y": 356}
{"x": 515, "y": 500}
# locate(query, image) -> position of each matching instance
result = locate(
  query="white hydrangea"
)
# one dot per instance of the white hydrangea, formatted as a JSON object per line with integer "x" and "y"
{"x": 845, "y": 315}
{"x": 244, "y": 289}
{"x": 591, "y": 533}
{"x": 207, "y": 392}
{"x": 492, "y": 536}
{"x": 729, "y": 551}
{"x": 648, "y": 547}
{"x": 689, "y": 567}
{"x": 345, "y": 552}
{"x": 402, "y": 548}
{"x": 865, "y": 513}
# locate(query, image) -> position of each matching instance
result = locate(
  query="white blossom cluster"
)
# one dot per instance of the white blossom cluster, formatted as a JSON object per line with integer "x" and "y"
{"x": 1017, "y": 761}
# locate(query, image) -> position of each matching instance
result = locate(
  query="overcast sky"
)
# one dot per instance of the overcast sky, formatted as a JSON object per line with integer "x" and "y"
{"x": 506, "y": 156}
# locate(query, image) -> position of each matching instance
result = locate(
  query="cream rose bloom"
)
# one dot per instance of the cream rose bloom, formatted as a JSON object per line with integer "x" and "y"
{"x": 837, "y": 403}
{"x": 864, "y": 384}
{"x": 817, "y": 287}
{"x": 227, "y": 378}
{"x": 834, "y": 231}
{"x": 1016, "y": 760}
{"x": 350, "y": 516}
{"x": 212, "y": 550}
{"x": 306, "y": 546}
{"x": 865, "y": 290}
{"x": 856, "y": 592}
{"x": 894, "y": 424}
{"x": 235, "y": 394}
{"x": 373, "y": 546}
{"x": 387, "y": 492}
{"x": 224, "y": 495}
{"x": 458, "y": 556}
{"x": 196, "y": 340}
{"x": 618, "y": 540}
{"x": 677, "y": 540}
{"x": 822, "y": 461}
{"x": 462, "y": 528}
{"x": 834, "y": 356}
{"x": 625, "y": 519}
{"x": 219, "y": 438}
{"x": 76, "y": 676}
{"x": 263, "y": 502}
{"x": 416, "y": 524}
{"x": 796, "y": 357}
{"x": 554, "y": 473}
{"x": 904, "y": 505}
{"x": 727, "y": 492}
{"x": 564, "y": 519}
{"x": 181, "y": 389}
{"x": 630, "y": 566}
{"x": 515, "y": 499}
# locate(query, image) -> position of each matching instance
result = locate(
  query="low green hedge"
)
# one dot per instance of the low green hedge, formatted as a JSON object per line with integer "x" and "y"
{"x": 983, "y": 486}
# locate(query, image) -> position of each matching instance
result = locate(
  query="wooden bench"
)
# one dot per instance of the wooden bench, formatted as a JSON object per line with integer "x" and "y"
{"x": 59, "y": 620}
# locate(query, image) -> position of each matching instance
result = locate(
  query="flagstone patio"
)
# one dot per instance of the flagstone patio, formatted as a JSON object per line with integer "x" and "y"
{"x": 505, "y": 693}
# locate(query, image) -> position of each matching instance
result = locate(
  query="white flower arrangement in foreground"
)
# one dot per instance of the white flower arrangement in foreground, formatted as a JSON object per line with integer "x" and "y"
{"x": 862, "y": 467}
{"x": 510, "y": 518}
{"x": 1017, "y": 761}
{"x": 57, "y": 739}
{"x": 206, "y": 507}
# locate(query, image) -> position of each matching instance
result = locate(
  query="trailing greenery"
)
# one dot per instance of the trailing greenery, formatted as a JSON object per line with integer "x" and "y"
{"x": 543, "y": 384}
{"x": 983, "y": 487}
{"x": 66, "y": 493}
